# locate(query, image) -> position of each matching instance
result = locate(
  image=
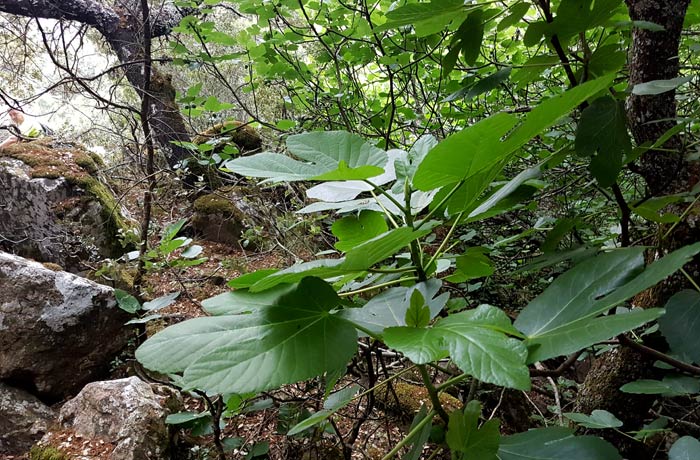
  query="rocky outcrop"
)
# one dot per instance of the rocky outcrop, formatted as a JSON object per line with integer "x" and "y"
{"x": 23, "y": 420}
{"x": 128, "y": 413}
{"x": 54, "y": 209}
{"x": 57, "y": 331}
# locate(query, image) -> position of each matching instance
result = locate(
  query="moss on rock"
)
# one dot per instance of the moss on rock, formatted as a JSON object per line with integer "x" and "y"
{"x": 214, "y": 203}
{"x": 46, "y": 453}
{"x": 79, "y": 168}
{"x": 406, "y": 399}
{"x": 244, "y": 136}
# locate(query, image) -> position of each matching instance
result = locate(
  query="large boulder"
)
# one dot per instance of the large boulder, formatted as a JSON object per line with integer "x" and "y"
{"x": 23, "y": 420}
{"x": 57, "y": 331}
{"x": 53, "y": 207}
{"x": 128, "y": 413}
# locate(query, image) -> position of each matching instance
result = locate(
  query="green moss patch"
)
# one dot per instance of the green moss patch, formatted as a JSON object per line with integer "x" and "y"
{"x": 406, "y": 399}
{"x": 214, "y": 203}
{"x": 47, "y": 453}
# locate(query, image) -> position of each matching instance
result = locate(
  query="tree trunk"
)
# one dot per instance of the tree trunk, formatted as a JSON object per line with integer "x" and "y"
{"x": 653, "y": 56}
{"x": 121, "y": 27}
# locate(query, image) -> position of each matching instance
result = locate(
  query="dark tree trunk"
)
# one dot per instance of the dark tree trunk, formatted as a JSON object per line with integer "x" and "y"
{"x": 653, "y": 56}
{"x": 121, "y": 28}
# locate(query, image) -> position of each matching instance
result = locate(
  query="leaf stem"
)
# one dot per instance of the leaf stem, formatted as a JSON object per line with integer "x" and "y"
{"x": 385, "y": 210}
{"x": 377, "y": 286}
{"x": 448, "y": 383}
{"x": 432, "y": 392}
{"x": 385, "y": 194}
{"x": 416, "y": 429}
{"x": 690, "y": 278}
{"x": 392, "y": 270}
{"x": 440, "y": 204}
{"x": 438, "y": 252}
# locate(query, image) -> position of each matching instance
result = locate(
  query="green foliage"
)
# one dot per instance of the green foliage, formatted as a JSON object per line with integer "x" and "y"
{"x": 685, "y": 448}
{"x": 466, "y": 438}
{"x": 599, "y": 419}
{"x": 329, "y": 156}
{"x": 172, "y": 251}
{"x": 333, "y": 403}
{"x": 680, "y": 322}
{"x": 244, "y": 353}
{"x": 671, "y": 385}
{"x": 46, "y": 453}
{"x": 372, "y": 88}
{"x": 554, "y": 443}
{"x": 477, "y": 340}
{"x": 250, "y": 343}
{"x": 565, "y": 317}
{"x": 602, "y": 134}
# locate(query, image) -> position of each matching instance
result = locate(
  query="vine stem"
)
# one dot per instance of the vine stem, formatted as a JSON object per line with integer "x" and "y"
{"x": 150, "y": 149}
{"x": 416, "y": 429}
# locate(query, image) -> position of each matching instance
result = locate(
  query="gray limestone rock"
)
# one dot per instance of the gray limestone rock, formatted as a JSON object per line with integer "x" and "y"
{"x": 23, "y": 420}
{"x": 128, "y": 413}
{"x": 57, "y": 331}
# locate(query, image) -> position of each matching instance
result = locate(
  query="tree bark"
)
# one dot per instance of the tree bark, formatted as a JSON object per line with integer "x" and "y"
{"x": 122, "y": 28}
{"x": 653, "y": 56}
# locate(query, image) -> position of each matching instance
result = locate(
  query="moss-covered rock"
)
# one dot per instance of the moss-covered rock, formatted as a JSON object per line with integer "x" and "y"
{"x": 405, "y": 399}
{"x": 243, "y": 136}
{"x": 226, "y": 215}
{"x": 58, "y": 210}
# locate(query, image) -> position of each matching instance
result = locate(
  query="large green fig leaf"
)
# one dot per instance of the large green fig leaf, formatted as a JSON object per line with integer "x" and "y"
{"x": 686, "y": 448}
{"x": 572, "y": 295}
{"x": 555, "y": 443}
{"x": 476, "y": 341}
{"x": 602, "y": 135}
{"x": 293, "y": 338}
{"x": 389, "y": 308}
{"x": 331, "y": 155}
{"x": 243, "y": 301}
{"x": 464, "y": 154}
{"x": 681, "y": 323}
{"x": 355, "y": 229}
{"x": 561, "y": 319}
{"x": 570, "y": 337}
{"x": 477, "y": 154}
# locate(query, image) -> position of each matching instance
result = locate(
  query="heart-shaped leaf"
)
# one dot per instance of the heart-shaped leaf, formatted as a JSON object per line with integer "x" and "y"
{"x": 252, "y": 353}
